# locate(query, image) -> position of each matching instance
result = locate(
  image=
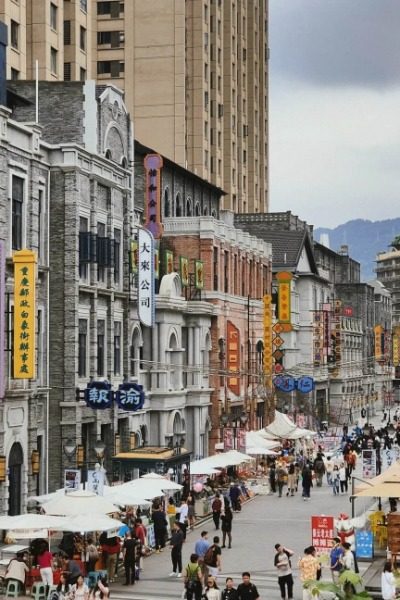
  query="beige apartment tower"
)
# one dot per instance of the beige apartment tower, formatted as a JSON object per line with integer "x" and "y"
{"x": 195, "y": 74}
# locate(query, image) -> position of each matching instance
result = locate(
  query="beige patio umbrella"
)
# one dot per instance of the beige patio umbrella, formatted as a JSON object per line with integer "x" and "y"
{"x": 80, "y": 502}
{"x": 383, "y": 489}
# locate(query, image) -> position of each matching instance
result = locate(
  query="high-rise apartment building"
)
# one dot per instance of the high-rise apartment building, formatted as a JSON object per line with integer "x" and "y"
{"x": 195, "y": 75}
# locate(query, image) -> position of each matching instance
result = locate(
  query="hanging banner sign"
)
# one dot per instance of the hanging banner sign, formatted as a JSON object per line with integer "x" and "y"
{"x": 2, "y": 313}
{"x": 322, "y": 533}
{"x": 146, "y": 301}
{"x": 396, "y": 345}
{"x": 233, "y": 357}
{"x": 130, "y": 396}
{"x": 284, "y": 296}
{"x": 305, "y": 385}
{"x": 368, "y": 464}
{"x": 199, "y": 274}
{"x": 378, "y": 333}
{"x": 241, "y": 439}
{"x": 153, "y": 164}
{"x": 267, "y": 322}
{"x": 72, "y": 480}
{"x": 99, "y": 395}
{"x": 169, "y": 262}
{"x": 95, "y": 481}
{"x": 228, "y": 438}
{"x": 184, "y": 270}
{"x": 24, "y": 314}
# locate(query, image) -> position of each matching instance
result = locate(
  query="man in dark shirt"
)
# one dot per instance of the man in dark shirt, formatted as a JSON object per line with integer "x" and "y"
{"x": 160, "y": 527}
{"x": 229, "y": 593}
{"x": 176, "y": 542}
{"x": 247, "y": 590}
{"x": 129, "y": 553}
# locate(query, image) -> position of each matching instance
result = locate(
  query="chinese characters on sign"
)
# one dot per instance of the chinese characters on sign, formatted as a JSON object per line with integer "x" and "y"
{"x": 146, "y": 308}
{"x": 228, "y": 438}
{"x": 322, "y": 533}
{"x": 267, "y": 334}
{"x": 2, "y": 309}
{"x": 364, "y": 544}
{"x": 130, "y": 396}
{"x": 368, "y": 464}
{"x": 284, "y": 296}
{"x": 152, "y": 164}
{"x": 24, "y": 314}
{"x": 99, "y": 395}
{"x": 95, "y": 482}
{"x": 378, "y": 332}
{"x": 233, "y": 357}
{"x": 396, "y": 346}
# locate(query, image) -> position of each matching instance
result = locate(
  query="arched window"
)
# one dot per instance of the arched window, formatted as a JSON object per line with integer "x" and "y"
{"x": 178, "y": 206}
{"x": 108, "y": 154}
{"x": 189, "y": 207}
{"x": 214, "y": 213}
{"x": 136, "y": 352}
{"x": 175, "y": 363}
{"x": 197, "y": 209}
{"x": 260, "y": 356}
{"x": 124, "y": 162}
{"x": 15, "y": 463}
{"x": 205, "y": 211}
{"x": 167, "y": 207}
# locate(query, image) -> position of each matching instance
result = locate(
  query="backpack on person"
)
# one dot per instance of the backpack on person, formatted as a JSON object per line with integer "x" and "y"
{"x": 209, "y": 557}
{"x": 192, "y": 578}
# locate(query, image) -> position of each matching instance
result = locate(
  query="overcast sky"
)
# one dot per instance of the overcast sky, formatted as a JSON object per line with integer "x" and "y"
{"x": 335, "y": 109}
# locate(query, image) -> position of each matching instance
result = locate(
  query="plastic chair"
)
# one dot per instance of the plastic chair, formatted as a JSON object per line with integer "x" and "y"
{"x": 13, "y": 589}
{"x": 52, "y": 588}
{"x": 375, "y": 518}
{"x": 38, "y": 591}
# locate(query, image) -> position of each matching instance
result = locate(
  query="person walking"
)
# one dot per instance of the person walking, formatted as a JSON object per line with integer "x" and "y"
{"x": 291, "y": 479}
{"x": 388, "y": 582}
{"x": 191, "y": 517}
{"x": 247, "y": 590}
{"x": 343, "y": 478}
{"x": 202, "y": 545}
{"x": 319, "y": 469}
{"x": 45, "y": 562}
{"x": 226, "y": 526}
{"x": 212, "y": 558}
{"x": 176, "y": 542}
{"x": 308, "y": 567}
{"x": 234, "y": 495}
{"x": 216, "y": 508}
{"x": 230, "y": 592}
{"x": 329, "y": 469}
{"x": 335, "y": 556}
{"x": 348, "y": 561}
{"x": 272, "y": 478}
{"x": 129, "y": 558}
{"x": 182, "y": 516}
{"x": 281, "y": 475}
{"x": 193, "y": 579}
{"x": 306, "y": 475}
{"x": 212, "y": 591}
{"x": 160, "y": 527}
{"x": 335, "y": 480}
{"x": 284, "y": 569}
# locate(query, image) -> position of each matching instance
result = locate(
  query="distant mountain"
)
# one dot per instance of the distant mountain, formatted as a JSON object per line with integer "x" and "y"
{"x": 364, "y": 239}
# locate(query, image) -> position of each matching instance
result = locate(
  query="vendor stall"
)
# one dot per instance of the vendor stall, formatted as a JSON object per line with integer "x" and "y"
{"x": 126, "y": 465}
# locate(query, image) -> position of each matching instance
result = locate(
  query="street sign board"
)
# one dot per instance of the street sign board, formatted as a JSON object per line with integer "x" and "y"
{"x": 322, "y": 533}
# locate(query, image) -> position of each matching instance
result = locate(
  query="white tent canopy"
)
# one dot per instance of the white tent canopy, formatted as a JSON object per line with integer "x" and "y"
{"x": 149, "y": 488}
{"x": 80, "y": 502}
{"x": 223, "y": 459}
{"x": 283, "y": 428}
{"x": 123, "y": 497}
{"x": 256, "y": 444}
{"x": 202, "y": 467}
{"x": 30, "y": 522}
{"x": 86, "y": 523}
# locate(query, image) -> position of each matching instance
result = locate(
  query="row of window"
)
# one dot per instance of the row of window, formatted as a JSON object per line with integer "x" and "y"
{"x": 82, "y": 36}
{"x": 176, "y": 207}
{"x": 234, "y": 278}
{"x": 102, "y": 354}
{"x": 114, "y": 8}
{"x": 101, "y": 249}
{"x": 18, "y": 216}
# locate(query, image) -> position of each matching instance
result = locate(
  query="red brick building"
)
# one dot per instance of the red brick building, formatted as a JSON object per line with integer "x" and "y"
{"x": 236, "y": 275}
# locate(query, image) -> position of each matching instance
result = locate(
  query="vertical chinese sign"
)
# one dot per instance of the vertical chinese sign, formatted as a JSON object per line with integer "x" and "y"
{"x": 153, "y": 164}
{"x": 322, "y": 533}
{"x": 24, "y": 314}
{"x": 146, "y": 308}
{"x": 267, "y": 335}
{"x": 199, "y": 274}
{"x": 233, "y": 357}
{"x": 2, "y": 312}
{"x": 284, "y": 296}
{"x": 228, "y": 439}
{"x": 396, "y": 346}
{"x": 378, "y": 333}
{"x": 184, "y": 270}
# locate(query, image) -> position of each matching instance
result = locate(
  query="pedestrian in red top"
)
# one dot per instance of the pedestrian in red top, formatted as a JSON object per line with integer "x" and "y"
{"x": 45, "y": 562}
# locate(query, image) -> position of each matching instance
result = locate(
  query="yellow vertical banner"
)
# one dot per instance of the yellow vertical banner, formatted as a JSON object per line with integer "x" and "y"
{"x": 284, "y": 296}
{"x": 378, "y": 330}
{"x": 396, "y": 346}
{"x": 24, "y": 314}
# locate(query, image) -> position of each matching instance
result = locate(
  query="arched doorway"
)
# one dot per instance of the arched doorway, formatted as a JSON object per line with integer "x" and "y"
{"x": 15, "y": 462}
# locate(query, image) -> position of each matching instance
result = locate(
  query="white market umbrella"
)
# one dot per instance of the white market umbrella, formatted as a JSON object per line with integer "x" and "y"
{"x": 202, "y": 467}
{"x": 47, "y": 497}
{"x": 80, "y": 502}
{"x": 254, "y": 450}
{"x": 124, "y": 497}
{"x": 228, "y": 459}
{"x": 148, "y": 488}
{"x": 283, "y": 428}
{"x": 256, "y": 444}
{"x": 30, "y": 522}
{"x": 87, "y": 523}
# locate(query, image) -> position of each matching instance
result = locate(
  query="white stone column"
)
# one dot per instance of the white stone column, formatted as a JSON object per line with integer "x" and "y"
{"x": 190, "y": 356}
{"x": 197, "y": 357}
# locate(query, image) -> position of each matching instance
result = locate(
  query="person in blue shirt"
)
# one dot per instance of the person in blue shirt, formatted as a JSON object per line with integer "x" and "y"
{"x": 202, "y": 545}
{"x": 336, "y": 556}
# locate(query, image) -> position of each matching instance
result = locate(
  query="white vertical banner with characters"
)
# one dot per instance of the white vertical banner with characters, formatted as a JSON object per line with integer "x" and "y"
{"x": 95, "y": 482}
{"x": 388, "y": 458}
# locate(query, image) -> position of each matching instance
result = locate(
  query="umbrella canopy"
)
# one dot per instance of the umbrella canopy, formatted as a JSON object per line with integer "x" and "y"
{"x": 283, "y": 428}
{"x": 391, "y": 474}
{"x": 124, "y": 497}
{"x": 256, "y": 444}
{"x": 384, "y": 489}
{"x": 227, "y": 459}
{"x": 149, "y": 488}
{"x": 31, "y": 522}
{"x": 260, "y": 450}
{"x": 86, "y": 523}
{"x": 78, "y": 503}
{"x": 47, "y": 497}
{"x": 202, "y": 467}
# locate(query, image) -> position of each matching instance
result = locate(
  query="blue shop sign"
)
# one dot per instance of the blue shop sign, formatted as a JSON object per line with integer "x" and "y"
{"x": 130, "y": 396}
{"x": 305, "y": 384}
{"x": 364, "y": 544}
{"x": 284, "y": 383}
{"x": 99, "y": 395}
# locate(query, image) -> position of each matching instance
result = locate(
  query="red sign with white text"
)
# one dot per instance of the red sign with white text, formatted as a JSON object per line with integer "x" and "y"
{"x": 233, "y": 357}
{"x": 322, "y": 533}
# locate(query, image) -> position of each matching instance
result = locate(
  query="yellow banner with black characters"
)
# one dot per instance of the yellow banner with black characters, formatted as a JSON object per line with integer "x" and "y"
{"x": 396, "y": 346}
{"x": 267, "y": 334}
{"x": 378, "y": 330}
{"x": 284, "y": 296}
{"x": 24, "y": 314}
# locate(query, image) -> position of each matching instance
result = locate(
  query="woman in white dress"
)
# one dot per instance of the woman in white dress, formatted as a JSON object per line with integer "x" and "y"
{"x": 211, "y": 591}
{"x": 388, "y": 583}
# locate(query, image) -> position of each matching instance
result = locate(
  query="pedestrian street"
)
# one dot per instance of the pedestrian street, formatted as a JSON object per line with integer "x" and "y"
{"x": 263, "y": 522}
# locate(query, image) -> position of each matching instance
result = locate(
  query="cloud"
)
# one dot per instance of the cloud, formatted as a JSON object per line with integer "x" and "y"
{"x": 334, "y": 153}
{"x": 336, "y": 42}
